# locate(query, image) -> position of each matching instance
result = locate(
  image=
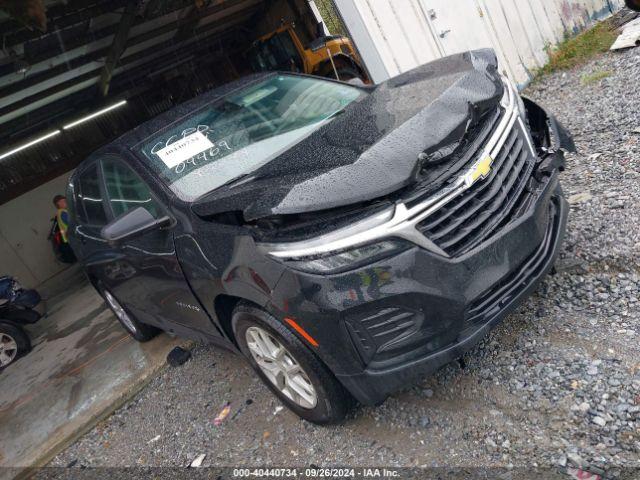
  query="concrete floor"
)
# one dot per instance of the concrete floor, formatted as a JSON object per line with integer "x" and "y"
{"x": 82, "y": 367}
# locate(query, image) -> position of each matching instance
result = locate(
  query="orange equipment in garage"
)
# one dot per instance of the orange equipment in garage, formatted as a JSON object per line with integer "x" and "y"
{"x": 331, "y": 56}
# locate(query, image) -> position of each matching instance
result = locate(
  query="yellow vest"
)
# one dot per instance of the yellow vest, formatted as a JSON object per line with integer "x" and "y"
{"x": 61, "y": 224}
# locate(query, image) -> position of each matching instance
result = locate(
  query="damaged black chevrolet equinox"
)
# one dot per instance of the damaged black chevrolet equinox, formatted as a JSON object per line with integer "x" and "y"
{"x": 348, "y": 240}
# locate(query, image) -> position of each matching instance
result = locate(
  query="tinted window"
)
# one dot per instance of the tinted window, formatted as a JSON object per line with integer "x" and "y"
{"x": 125, "y": 189}
{"x": 90, "y": 207}
{"x": 275, "y": 53}
{"x": 71, "y": 195}
{"x": 282, "y": 47}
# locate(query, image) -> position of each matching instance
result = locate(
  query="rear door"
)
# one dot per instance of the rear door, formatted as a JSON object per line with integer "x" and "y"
{"x": 143, "y": 272}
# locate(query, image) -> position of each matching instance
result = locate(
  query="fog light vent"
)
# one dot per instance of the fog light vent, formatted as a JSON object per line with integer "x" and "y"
{"x": 384, "y": 331}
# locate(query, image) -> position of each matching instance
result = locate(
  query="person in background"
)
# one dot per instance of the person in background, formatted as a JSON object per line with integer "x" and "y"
{"x": 62, "y": 220}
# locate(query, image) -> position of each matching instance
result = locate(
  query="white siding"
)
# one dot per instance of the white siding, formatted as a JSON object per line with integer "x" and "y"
{"x": 394, "y": 36}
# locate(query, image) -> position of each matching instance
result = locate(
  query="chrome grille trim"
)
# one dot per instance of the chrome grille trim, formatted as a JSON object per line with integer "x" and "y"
{"x": 474, "y": 215}
{"x": 400, "y": 221}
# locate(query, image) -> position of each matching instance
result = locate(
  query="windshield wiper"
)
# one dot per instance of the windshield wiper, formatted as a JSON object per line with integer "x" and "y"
{"x": 229, "y": 184}
{"x": 337, "y": 113}
{"x": 236, "y": 180}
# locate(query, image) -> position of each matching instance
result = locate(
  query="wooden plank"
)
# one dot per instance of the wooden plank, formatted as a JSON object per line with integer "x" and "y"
{"x": 117, "y": 48}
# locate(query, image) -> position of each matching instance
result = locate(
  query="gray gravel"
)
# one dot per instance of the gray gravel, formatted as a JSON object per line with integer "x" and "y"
{"x": 557, "y": 384}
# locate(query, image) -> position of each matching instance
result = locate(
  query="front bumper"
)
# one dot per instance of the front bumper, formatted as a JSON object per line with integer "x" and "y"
{"x": 481, "y": 314}
{"x": 384, "y": 326}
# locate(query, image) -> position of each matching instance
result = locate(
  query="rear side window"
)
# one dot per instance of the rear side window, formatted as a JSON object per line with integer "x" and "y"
{"x": 90, "y": 209}
{"x": 71, "y": 199}
{"x": 126, "y": 190}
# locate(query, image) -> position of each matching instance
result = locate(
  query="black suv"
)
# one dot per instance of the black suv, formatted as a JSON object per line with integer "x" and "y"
{"x": 347, "y": 240}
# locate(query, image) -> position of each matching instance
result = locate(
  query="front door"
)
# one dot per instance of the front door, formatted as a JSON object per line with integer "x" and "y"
{"x": 459, "y": 28}
{"x": 456, "y": 28}
{"x": 86, "y": 202}
{"x": 143, "y": 272}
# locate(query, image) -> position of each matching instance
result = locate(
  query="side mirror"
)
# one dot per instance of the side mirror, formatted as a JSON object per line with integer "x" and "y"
{"x": 132, "y": 223}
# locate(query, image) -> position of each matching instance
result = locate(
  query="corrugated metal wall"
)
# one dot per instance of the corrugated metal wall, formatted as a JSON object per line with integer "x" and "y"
{"x": 394, "y": 36}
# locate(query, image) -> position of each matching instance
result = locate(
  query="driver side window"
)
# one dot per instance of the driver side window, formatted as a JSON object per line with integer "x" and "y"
{"x": 126, "y": 190}
{"x": 89, "y": 208}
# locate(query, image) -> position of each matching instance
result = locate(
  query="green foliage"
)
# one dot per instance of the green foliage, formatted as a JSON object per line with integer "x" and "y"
{"x": 331, "y": 18}
{"x": 595, "y": 77}
{"x": 578, "y": 50}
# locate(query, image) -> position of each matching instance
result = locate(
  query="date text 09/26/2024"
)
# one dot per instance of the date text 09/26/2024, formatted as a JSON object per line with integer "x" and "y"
{"x": 317, "y": 472}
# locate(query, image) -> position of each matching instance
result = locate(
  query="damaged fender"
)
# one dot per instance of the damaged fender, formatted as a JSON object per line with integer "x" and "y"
{"x": 548, "y": 133}
{"x": 550, "y": 137}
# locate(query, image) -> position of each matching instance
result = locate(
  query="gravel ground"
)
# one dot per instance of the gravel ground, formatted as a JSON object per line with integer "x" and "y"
{"x": 556, "y": 384}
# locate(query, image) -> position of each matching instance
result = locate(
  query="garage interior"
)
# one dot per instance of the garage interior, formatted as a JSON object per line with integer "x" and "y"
{"x": 75, "y": 75}
{"x": 152, "y": 54}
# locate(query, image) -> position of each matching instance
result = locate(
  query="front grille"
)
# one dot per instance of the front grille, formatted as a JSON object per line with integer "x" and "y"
{"x": 455, "y": 161}
{"x": 474, "y": 215}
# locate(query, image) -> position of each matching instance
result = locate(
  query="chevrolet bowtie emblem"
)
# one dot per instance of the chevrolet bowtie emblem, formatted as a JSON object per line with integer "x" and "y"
{"x": 479, "y": 171}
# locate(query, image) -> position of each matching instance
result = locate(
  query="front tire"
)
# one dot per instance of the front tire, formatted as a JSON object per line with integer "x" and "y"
{"x": 288, "y": 367}
{"x": 14, "y": 343}
{"x": 138, "y": 330}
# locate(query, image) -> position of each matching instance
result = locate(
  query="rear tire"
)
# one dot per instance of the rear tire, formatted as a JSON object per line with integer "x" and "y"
{"x": 323, "y": 401}
{"x": 14, "y": 343}
{"x": 348, "y": 74}
{"x": 138, "y": 330}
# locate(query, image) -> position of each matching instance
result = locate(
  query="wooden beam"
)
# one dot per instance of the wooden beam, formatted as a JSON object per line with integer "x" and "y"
{"x": 148, "y": 8}
{"x": 117, "y": 47}
{"x": 34, "y": 79}
{"x": 202, "y": 37}
{"x": 31, "y": 13}
{"x": 61, "y": 16}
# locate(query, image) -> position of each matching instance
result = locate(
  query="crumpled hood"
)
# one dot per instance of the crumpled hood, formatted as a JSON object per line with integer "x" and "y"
{"x": 373, "y": 148}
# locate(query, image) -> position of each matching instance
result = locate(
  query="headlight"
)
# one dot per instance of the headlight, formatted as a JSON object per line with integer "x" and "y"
{"x": 345, "y": 260}
{"x": 349, "y": 247}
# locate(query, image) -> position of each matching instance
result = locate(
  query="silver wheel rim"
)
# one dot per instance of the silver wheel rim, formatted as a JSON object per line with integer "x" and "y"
{"x": 123, "y": 316}
{"x": 8, "y": 349}
{"x": 281, "y": 368}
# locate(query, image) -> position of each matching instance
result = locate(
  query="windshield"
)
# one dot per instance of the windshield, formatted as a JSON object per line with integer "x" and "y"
{"x": 241, "y": 132}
